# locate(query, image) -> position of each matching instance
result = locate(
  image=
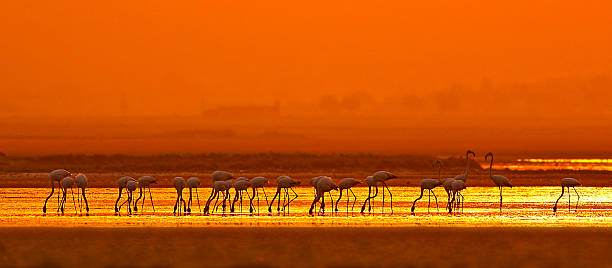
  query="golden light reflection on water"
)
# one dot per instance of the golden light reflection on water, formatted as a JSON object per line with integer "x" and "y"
{"x": 596, "y": 164}
{"x": 523, "y": 206}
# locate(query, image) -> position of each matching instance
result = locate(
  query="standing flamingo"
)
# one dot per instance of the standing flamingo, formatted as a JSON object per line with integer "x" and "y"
{"x": 284, "y": 183}
{"x": 382, "y": 177}
{"x": 323, "y": 185}
{"x": 568, "y": 182}
{"x": 145, "y": 182}
{"x": 458, "y": 186}
{"x": 371, "y": 182}
{"x": 179, "y": 185}
{"x": 216, "y": 176}
{"x": 67, "y": 182}
{"x": 193, "y": 183}
{"x": 256, "y": 183}
{"x": 121, "y": 183}
{"x": 499, "y": 180}
{"x": 81, "y": 184}
{"x": 241, "y": 185}
{"x": 56, "y": 175}
{"x": 429, "y": 185}
{"x": 347, "y": 184}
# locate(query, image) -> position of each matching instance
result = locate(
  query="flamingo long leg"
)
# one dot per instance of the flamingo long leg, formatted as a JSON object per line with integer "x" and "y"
{"x": 436, "y": 198}
{"x": 151, "y": 196}
{"x": 577, "y": 201}
{"x": 355, "y": 200}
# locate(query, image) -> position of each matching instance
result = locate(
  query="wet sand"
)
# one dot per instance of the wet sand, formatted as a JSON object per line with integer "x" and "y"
{"x": 305, "y": 247}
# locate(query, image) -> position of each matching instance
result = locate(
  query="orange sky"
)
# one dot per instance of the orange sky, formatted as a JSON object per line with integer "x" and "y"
{"x": 435, "y": 64}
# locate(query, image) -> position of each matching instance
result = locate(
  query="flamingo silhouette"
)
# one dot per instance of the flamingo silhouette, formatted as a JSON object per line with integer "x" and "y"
{"x": 567, "y": 183}
{"x": 448, "y": 187}
{"x": 179, "y": 185}
{"x": 241, "y": 185}
{"x": 347, "y": 184}
{"x": 216, "y": 176}
{"x": 284, "y": 183}
{"x": 499, "y": 180}
{"x": 145, "y": 182}
{"x": 193, "y": 183}
{"x": 429, "y": 185}
{"x": 463, "y": 177}
{"x": 81, "y": 184}
{"x": 371, "y": 182}
{"x": 382, "y": 177}
{"x": 56, "y": 175}
{"x": 121, "y": 183}
{"x": 323, "y": 185}
{"x": 67, "y": 182}
{"x": 223, "y": 188}
{"x": 256, "y": 184}
{"x": 458, "y": 186}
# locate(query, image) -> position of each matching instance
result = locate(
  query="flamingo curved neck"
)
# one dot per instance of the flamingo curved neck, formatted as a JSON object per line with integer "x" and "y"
{"x": 467, "y": 166}
{"x": 491, "y": 167}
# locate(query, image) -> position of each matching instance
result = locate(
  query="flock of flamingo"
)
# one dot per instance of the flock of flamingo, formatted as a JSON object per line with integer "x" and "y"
{"x": 223, "y": 181}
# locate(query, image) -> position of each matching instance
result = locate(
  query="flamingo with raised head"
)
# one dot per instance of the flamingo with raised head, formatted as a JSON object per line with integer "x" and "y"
{"x": 67, "y": 182}
{"x": 567, "y": 183}
{"x": 241, "y": 185}
{"x": 145, "y": 182}
{"x": 81, "y": 184}
{"x": 463, "y": 177}
{"x": 193, "y": 183}
{"x": 56, "y": 176}
{"x": 382, "y": 177}
{"x": 216, "y": 176}
{"x": 347, "y": 184}
{"x": 256, "y": 184}
{"x": 323, "y": 185}
{"x": 179, "y": 185}
{"x": 121, "y": 183}
{"x": 429, "y": 185}
{"x": 499, "y": 180}
{"x": 371, "y": 182}
{"x": 284, "y": 183}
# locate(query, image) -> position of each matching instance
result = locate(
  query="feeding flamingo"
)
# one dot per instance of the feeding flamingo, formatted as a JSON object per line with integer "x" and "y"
{"x": 284, "y": 183}
{"x": 347, "y": 184}
{"x": 429, "y": 185}
{"x": 121, "y": 183}
{"x": 81, "y": 184}
{"x": 130, "y": 186}
{"x": 323, "y": 185}
{"x": 499, "y": 180}
{"x": 567, "y": 183}
{"x": 145, "y": 182}
{"x": 222, "y": 187}
{"x": 371, "y": 182}
{"x": 193, "y": 183}
{"x": 179, "y": 185}
{"x": 382, "y": 177}
{"x": 56, "y": 175}
{"x": 67, "y": 182}
{"x": 458, "y": 186}
{"x": 256, "y": 184}
{"x": 216, "y": 176}
{"x": 241, "y": 185}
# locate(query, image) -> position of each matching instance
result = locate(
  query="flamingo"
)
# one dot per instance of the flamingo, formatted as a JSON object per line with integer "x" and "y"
{"x": 323, "y": 185}
{"x": 81, "y": 184}
{"x": 121, "y": 183}
{"x": 499, "y": 180}
{"x": 458, "y": 186}
{"x": 242, "y": 184}
{"x": 463, "y": 177}
{"x": 256, "y": 183}
{"x": 313, "y": 183}
{"x": 448, "y": 187}
{"x": 216, "y": 176}
{"x": 179, "y": 185}
{"x": 193, "y": 183}
{"x": 371, "y": 182}
{"x": 429, "y": 184}
{"x": 67, "y": 182}
{"x": 568, "y": 182}
{"x": 347, "y": 184}
{"x": 145, "y": 182}
{"x": 382, "y": 177}
{"x": 286, "y": 183}
{"x": 56, "y": 175}
{"x": 223, "y": 188}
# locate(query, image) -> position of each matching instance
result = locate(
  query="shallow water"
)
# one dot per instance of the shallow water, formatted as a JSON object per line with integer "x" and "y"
{"x": 523, "y": 206}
